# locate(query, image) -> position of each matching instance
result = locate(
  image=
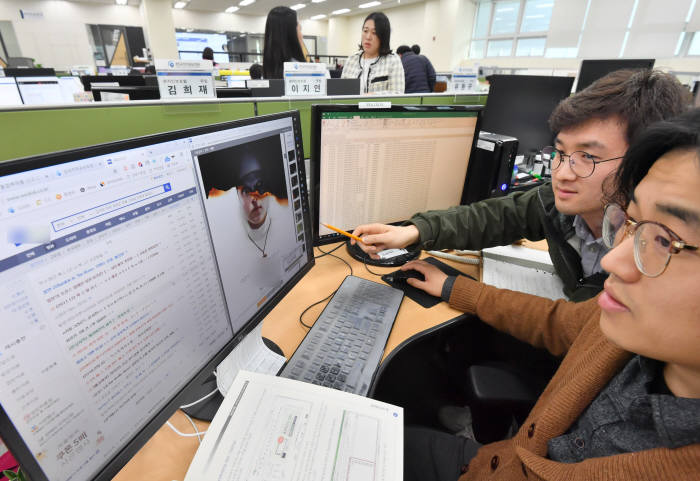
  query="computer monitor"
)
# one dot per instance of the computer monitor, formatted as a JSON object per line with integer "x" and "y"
{"x": 384, "y": 165}
{"x": 592, "y": 70}
{"x": 9, "y": 95}
{"x": 40, "y": 90}
{"x": 520, "y": 105}
{"x": 128, "y": 271}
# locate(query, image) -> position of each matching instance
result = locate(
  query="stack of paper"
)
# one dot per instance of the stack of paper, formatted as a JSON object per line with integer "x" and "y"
{"x": 275, "y": 429}
{"x": 521, "y": 269}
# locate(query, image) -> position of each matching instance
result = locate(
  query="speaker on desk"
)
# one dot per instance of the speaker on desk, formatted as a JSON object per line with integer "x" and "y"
{"x": 491, "y": 168}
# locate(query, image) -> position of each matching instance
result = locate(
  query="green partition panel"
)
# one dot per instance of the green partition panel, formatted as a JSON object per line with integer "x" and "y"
{"x": 455, "y": 100}
{"x": 31, "y": 132}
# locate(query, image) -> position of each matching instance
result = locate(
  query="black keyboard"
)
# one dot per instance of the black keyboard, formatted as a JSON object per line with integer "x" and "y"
{"x": 345, "y": 345}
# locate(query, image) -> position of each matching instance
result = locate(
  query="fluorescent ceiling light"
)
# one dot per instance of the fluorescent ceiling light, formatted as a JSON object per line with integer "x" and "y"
{"x": 246, "y": 2}
{"x": 298, "y": 6}
{"x": 370, "y": 4}
{"x": 317, "y": 1}
{"x": 180, "y": 5}
{"x": 318, "y": 17}
{"x": 231, "y": 9}
{"x": 121, "y": 2}
{"x": 341, "y": 11}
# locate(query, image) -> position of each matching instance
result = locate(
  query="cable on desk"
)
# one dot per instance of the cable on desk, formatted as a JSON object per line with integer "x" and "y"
{"x": 197, "y": 433}
{"x": 329, "y": 253}
{"x": 200, "y": 399}
{"x": 364, "y": 260}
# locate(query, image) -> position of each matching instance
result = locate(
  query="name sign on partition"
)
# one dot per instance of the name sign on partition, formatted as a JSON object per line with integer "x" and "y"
{"x": 464, "y": 80}
{"x": 304, "y": 79}
{"x": 185, "y": 79}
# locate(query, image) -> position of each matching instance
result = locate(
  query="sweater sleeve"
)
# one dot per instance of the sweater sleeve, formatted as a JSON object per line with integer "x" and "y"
{"x": 539, "y": 321}
{"x": 487, "y": 223}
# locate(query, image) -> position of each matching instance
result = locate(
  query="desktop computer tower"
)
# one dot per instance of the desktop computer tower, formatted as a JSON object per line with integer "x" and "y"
{"x": 491, "y": 168}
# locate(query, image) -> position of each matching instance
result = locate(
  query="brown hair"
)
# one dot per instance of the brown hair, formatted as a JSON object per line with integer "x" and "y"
{"x": 638, "y": 98}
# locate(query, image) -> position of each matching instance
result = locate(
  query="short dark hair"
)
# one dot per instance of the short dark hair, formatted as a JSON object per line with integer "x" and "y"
{"x": 255, "y": 71}
{"x": 208, "y": 53}
{"x": 281, "y": 42}
{"x": 637, "y": 97}
{"x": 382, "y": 27}
{"x": 680, "y": 133}
{"x": 416, "y": 48}
{"x": 403, "y": 49}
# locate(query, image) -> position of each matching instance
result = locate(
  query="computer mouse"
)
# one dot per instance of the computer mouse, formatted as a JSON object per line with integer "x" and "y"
{"x": 402, "y": 276}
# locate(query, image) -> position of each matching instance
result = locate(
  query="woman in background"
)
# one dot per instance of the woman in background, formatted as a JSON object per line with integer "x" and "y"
{"x": 379, "y": 70}
{"x": 282, "y": 42}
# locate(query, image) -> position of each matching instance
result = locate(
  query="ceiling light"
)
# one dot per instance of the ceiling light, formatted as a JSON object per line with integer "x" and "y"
{"x": 180, "y": 5}
{"x": 298, "y": 6}
{"x": 317, "y": 1}
{"x": 341, "y": 11}
{"x": 370, "y": 4}
{"x": 246, "y": 2}
{"x": 231, "y": 9}
{"x": 121, "y": 2}
{"x": 318, "y": 17}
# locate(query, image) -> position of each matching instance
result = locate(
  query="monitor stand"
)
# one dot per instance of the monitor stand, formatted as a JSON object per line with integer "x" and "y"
{"x": 357, "y": 253}
{"x": 206, "y": 409}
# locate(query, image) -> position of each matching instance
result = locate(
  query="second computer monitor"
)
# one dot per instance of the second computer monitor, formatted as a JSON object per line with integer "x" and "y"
{"x": 520, "y": 105}
{"x": 384, "y": 165}
{"x": 592, "y": 70}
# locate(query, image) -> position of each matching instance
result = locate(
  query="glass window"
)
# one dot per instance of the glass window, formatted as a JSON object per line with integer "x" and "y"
{"x": 477, "y": 48}
{"x": 500, "y": 48}
{"x": 694, "y": 48}
{"x": 561, "y": 52}
{"x": 530, "y": 47}
{"x": 483, "y": 16}
{"x": 537, "y": 15}
{"x": 505, "y": 18}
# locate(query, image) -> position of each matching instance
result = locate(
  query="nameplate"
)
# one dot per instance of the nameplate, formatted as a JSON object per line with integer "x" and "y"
{"x": 304, "y": 79}
{"x": 185, "y": 79}
{"x": 258, "y": 84}
{"x": 464, "y": 79}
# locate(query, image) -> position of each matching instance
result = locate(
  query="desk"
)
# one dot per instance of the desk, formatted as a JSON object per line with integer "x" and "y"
{"x": 167, "y": 456}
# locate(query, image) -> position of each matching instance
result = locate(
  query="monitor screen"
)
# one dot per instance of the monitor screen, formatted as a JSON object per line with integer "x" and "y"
{"x": 128, "y": 271}
{"x": 69, "y": 86}
{"x": 384, "y": 165}
{"x": 9, "y": 95}
{"x": 592, "y": 70}
{"x": 40, "y": 90}
{"x": 520, "y": 105}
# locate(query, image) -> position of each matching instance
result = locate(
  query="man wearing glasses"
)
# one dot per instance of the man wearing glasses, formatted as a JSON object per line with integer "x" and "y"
{"x": 593, "y": 130}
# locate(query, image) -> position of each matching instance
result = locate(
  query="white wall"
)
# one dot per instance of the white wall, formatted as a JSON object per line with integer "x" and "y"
{"x": 232, "y": 22}
{"x": 59, "y": 38}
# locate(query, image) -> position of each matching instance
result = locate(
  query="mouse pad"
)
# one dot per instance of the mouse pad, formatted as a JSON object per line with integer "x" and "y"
{"x": 422, "y": 297}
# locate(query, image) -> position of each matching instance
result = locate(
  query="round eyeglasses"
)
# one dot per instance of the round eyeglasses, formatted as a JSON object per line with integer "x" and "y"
{"x": 654, "y": 243}
{"x": 582, "y": 163}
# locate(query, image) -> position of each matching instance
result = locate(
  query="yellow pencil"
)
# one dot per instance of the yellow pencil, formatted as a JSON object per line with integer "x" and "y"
{"x": 341, "y": 231}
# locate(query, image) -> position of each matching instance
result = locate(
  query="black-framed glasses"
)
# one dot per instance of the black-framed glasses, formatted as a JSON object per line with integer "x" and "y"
{"x": 654, "y": 243}
{"x": 582, "y": 163}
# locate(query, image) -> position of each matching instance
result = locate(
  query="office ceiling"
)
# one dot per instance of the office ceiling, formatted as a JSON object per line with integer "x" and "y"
{"x": 261, "y": 7}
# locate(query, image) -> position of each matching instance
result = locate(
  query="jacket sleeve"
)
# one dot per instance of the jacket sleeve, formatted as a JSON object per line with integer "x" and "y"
{"x": 431, "y": 75}
{"x": 397, "y": 78}
{"x": 541, "y": 322}
{"x": 349, "y": 70}
{"x": 488, "y": 223}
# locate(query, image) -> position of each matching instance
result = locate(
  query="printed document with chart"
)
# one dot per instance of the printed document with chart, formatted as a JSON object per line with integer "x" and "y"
{"x": 275, "y": 429}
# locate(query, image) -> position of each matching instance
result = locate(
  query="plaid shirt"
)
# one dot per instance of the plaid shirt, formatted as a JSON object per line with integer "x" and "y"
{"x": 385, "y": 74}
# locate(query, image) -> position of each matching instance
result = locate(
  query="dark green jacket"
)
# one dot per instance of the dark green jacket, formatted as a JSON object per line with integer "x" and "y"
{"x": 504, "y": 220}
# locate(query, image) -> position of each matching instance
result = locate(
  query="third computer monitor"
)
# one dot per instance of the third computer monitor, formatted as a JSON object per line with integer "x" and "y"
{"x": 386, "y": 164}
{"x": 520, "y": 105}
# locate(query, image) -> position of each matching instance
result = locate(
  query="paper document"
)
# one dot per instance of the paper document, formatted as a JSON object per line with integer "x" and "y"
{"x": 522, "y": 269}
{"x": 250, "y": 354}
{"x": 275, "y": 429}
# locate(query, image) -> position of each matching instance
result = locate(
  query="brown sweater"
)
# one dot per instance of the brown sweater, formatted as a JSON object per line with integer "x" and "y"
{"x": 591, "y": 361}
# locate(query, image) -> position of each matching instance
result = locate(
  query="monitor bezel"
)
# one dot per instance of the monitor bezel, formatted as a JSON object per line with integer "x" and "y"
{"x": 10, "y": 436}
{"x": 317, "y": 112}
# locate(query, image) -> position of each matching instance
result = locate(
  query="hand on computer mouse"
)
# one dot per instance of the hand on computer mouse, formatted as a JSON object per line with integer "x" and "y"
{"x": 404, "y": 276}
{"x": 434, "y": 277}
